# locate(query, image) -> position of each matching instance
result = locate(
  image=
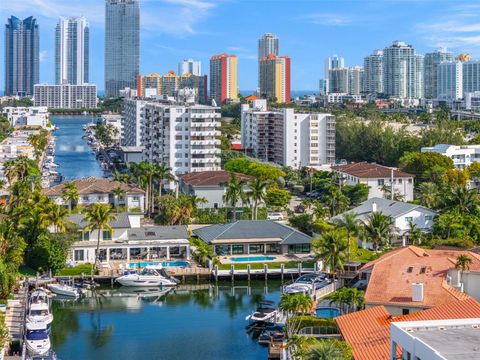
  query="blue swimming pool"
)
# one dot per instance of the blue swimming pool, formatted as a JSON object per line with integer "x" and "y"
{"x": 252, "y": 258}
{"x": 142, "y": 264}
{"x": 329, "y": 313}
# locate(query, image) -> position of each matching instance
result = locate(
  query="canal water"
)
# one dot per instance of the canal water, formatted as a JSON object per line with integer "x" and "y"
{"x": 193, "y": 322}
{"x": 72, "y": 153}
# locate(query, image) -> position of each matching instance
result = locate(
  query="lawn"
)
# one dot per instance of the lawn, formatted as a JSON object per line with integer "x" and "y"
{"x": 26, "y": 271}
{"x": 78, "y": 270}
{"x": 271, "y": 265}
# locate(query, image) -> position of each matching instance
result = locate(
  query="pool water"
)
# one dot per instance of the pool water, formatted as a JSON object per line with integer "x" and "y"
{"x": 142, "y": 264}
{"x": 329, "y": 313}
{"x": 252, "y": 258}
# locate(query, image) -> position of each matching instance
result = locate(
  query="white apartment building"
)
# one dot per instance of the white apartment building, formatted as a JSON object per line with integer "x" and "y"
{"x": 287, "y": 137}
{"x": 114, "y": 120}
{"x": 347, "y": 80}
{"x": 472, "y": 100}
{"x": 340, "y": 98}
{"x": 26, "y": 116}
{"x": 471, "y": 76}
{"x": 462, "y": 155}
{"x": 182, "y": 136}
{"x": 430, "y": 65}
{"x": 449, "y": 80}
{"x": 190, "y": 66}
{"x": 131, "y": 122}
{"x": 373, "y": 73}
{"x": 377, "y": 178}
{"x": 65, "y": 96}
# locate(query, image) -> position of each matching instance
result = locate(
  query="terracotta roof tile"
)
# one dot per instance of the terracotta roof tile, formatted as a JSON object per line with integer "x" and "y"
{"x": 369, "y": 170}
{"x": 210, "y": 178}
{"x": 92, "y": 185}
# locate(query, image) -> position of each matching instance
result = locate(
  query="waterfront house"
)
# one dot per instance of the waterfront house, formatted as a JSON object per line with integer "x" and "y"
{"x": 402, "y": 214}
{"x": 129, "y": 241}
{"x": 411, "y": 279}
{"x": 462, "y": 155}
{"x": 210, "y": 185}
{"x": 247, "y": 237}
{"x": 377, "y": 177}
{"x": 34, "y": 116}
{"x": 368, "y": 331}
{"x": 93, "y": 190}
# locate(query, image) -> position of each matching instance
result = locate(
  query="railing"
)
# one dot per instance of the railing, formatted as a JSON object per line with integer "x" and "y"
{"x": 319, "y": 331}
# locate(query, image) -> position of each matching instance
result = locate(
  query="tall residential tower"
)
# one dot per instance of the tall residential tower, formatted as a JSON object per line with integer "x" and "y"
{"x": 71, "y": 51}
{"x": 122, "y": 45}
{"x": 190, "y": 66}
{"x": 333, "y": 62}
{"x": 21, "y": 56}
{"x": 223, "y": 78}
{"x": 373, "y": 73}
{"x": 267, "y": 44}
{"x": 430, "y": 64}
{"x": 275, "y": 78}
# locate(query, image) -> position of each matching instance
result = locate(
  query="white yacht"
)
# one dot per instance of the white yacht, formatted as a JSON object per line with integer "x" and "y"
{"x": 64, "y": 289}
{"x": 39, "y": 308}
{"x": 152, "y": 275}
{"x": 37, "y": 339}
{"x": 265, "y": 313}
{"x": 307, "y": 284}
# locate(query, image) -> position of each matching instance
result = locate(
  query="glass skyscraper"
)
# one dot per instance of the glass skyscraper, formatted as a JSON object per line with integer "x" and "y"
{"x": 430, "y": 64}
{"x": 122, "y": 45}
{"x": 71, "y": 51}
{"x": 21, "y": 56}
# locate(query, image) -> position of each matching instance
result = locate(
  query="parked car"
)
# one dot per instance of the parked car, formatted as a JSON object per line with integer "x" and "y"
{"x": 313, "y": 194}
{"x": 299, "y": 209}
{"x": 276, "y": 216}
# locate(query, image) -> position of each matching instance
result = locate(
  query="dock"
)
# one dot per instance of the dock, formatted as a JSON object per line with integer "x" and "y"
{"x": 15, "y": 318}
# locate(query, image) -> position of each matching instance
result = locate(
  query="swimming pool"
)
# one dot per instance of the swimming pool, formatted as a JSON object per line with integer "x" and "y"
{"x": 142, "y": 264}
{"x": 329, "y": 313}
{"x": 252, "y": 258}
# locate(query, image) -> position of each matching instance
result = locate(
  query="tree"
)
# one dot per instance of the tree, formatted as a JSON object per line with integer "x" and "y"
{"x": 331, "y": 248}
{"x": 349, "y": 222}
{"x": 326, "y": 349}
{"x": 234, "y": 193}
{"x": 276, "y": 197}
{"x": 378, "y": 229}
{"x": 98, "y": 217}
{"x": 118, "y": 193}
{"x": 420, "y": 164}
{"x": 356, "y": 194}
{"x": 463, "y": 262}
{"x": 336, "y": 201}
{"x": 257, "y": 194}
{"x": 428, "y": 195}
{"x": 466, "y": 200}
{"x": 11, "y": 256}
{"x": 162, "y": 172}
{"x": 56, "y": 215}
{"x": 414, "y": 234}
{"x": 256, "y": 169}
{"x": 70, "y": 194}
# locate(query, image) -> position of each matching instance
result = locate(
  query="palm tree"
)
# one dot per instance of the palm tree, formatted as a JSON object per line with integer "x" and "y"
{"x": 336, "y": 201}
{"x": 118, "y": 193}
{"x": 330, "y": 247}
{"x": 466, "y": 200}
{"x": 124, "y": 178}
{"x": 197, "y": 200}
{"x": 463, "y": 262}
{"x": 378, "y": 229}
{"x": 325, "y": 350}
{"x": 257, "y": 194}
{"x": 161, "y": 173}
{"x": 349, "y": 222}
{"x": 10, "y": 171}
{"x": 56, "y": 215}
{"x": 428, "y": 194}
{"x": 321, "y": 212}
{"x": 414, "y": 233}
{"x": 98, "y": 217}
{"x": 70, "y": 194}
{"x": 234, "y": 193}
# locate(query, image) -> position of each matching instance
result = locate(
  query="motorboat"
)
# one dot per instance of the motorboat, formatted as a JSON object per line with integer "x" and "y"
{"x": 39, "y": 307}
{"x": 64, "y": 290}
{"x": 307, "y": 284}
{"x": 151, "y": 275}
{"x": 37, "y": 339}
{"x": 266, "y": 312}
{"x": 266, "y": 334}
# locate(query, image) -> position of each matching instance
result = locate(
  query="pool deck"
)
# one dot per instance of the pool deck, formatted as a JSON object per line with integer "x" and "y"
{"x": 226, "y": 259}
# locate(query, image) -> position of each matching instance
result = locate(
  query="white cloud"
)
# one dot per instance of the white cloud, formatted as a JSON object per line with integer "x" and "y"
{"x": 328, "y": 19}
{"x": 42, "y": 56}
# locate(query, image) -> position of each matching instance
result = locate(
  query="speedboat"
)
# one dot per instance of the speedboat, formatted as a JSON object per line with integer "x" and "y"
{"x": 307, "y": 284}
{"x": 39, "y": 308}
{"x": 64, "y": 289}
{"x": 266, "y": 334}
{"x": 37, "y": 339}
{"x": 152, "y": 275}
{"x": 265, "y": 313}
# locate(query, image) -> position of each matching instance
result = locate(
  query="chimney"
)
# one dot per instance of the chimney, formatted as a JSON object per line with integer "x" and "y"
{"x": 417, "y": 292}
{"x": 374, "y": 206}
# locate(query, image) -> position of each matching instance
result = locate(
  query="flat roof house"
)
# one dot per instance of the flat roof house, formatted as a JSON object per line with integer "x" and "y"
{"x": 246, "y": 237}
{"x": 93, "y": 190}
{"x": 377, "y": 177}
{"x": 130, "y": 241}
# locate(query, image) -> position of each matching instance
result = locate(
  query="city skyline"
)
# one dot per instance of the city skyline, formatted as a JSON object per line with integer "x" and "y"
{"x": 172, "y": 30}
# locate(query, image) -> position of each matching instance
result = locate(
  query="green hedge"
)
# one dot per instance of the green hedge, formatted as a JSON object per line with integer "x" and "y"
{"x": 307, "y": 321}
{"x": 86, "y": 269}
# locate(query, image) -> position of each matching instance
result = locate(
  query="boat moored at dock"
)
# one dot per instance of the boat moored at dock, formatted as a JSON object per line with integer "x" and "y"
{"x": 37, "y": 338}
{"x": 39, "y": 308}
{"x": 152, "y": 275}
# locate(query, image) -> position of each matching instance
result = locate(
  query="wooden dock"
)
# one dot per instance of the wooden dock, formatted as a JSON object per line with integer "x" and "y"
{"x": 15, "y": 316}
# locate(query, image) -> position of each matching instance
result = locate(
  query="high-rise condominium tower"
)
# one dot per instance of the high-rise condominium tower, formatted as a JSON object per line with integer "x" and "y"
{"x": 430, "y": 64}
{"x": 21, "y": 56}
{"x": 190, "y": 66}
{"x": 223, "y": 78}
{"x": 373, "y": 73}
{"x": 71, "y": 51}
{"x": 333, "y": 62}
{"x": 275, "y": 78}
{"x": 267, "y": 44}
{"x": 122, "y": 45}
{"x": 402, "y": 71}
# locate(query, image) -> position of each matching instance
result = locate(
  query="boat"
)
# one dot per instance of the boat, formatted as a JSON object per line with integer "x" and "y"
{"x": 37, "y": 339}
{"x": 266, "y": 312}
{"x": 152, "y": 275}
{"x": 268, "y": 332}
{"x": 64, "y": 289}
{"x": 307, "y": 284}
{"x": 39, "y": 307}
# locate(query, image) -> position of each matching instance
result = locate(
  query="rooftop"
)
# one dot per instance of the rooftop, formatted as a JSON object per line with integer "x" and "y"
{"x": 249, "y": 229}
{"x": 92, "y": 185}
{"x": 158, "y": 233}
{"x": 122, "y": 221}
{"x": 370, "y": 170}
{"x": 392, "y": 276}
{"x": 211, "y": 178}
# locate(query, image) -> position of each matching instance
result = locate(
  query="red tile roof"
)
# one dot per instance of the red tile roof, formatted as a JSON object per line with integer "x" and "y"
{"x": 236, "y": 146}
{"x": 251, "y": 98}
{"x": 390, "y": 281}
{"x": 210, "y": 178}
{"x": 368, "y": 331}
{"x": 93, "y": 185}
{"x": 369, "y": 170}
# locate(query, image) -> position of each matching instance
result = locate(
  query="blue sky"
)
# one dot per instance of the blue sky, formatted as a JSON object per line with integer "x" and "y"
{"x": 309, "y": 31}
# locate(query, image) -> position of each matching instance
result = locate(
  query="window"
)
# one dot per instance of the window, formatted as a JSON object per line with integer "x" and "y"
{"x": 399, "y": 181}
{"x": 86, "y": 235}
{"x": 79, "y": 255}
{"x": 85, "y": 198}
{"x": 423, "y": 270}
{"x": 380, "y": 182}
{"x": 299, "y": 248}
{"x": 106, "y": 235}
{"x": 273, "y": 248}
{"x": 405, "y": 311}
{"x": 428, "y": 217}
{"x": 408, "y": 219}
{"x": 136, "y": 198}
{"x": 238, "y": 249}
{"x": 410, "y": 269}
{"x": 256, "y": 248}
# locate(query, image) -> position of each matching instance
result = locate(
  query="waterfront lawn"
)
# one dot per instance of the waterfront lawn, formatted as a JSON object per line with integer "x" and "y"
{"x": 78, "y": 270}
{"x": 365, "y": 255}
{"x": 271, "y": 265}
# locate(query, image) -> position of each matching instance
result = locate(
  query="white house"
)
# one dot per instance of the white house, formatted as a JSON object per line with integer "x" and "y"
{"x": 210, "y": 185}
{"x": 93, "y": 190}
{"x": 462, "y": 155}
{"x": 402, "y": 215}
{"x": 27, "y": 116}
{"x": 377, "y": 178}
{"x": 129, "y": 241}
